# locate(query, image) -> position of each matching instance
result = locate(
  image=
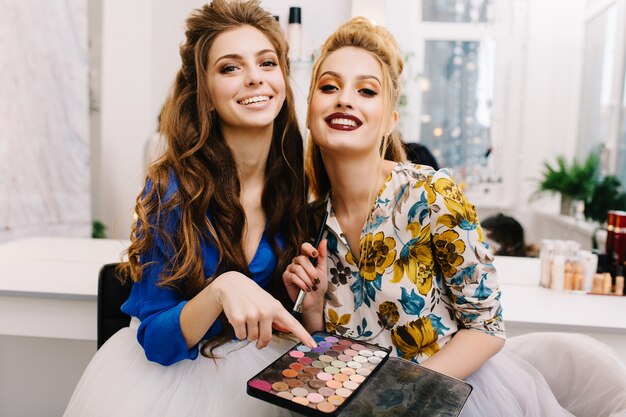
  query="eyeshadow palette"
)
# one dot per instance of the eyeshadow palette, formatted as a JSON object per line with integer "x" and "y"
{"x": 321, "y": 381}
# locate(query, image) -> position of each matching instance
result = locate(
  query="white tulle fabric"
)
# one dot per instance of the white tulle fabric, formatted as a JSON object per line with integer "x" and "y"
{"x": 536, "y": 375}
{"x": 549, "y": 375}
{"x": 586, "y": 376}
{"x": 121, "y": 382}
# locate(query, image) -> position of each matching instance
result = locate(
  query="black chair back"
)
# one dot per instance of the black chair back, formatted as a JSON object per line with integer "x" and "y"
{"x": 111, "y": 295}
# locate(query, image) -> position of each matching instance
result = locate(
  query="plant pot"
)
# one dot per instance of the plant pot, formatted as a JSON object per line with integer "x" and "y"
{"x": 567, "y": 205}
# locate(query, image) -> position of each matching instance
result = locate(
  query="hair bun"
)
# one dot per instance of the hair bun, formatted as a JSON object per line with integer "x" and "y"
{"x": 379, "y": 36}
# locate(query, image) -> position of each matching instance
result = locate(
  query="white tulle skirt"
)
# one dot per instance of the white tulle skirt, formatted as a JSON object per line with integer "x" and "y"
{"x": 120, "y": 382}
{"x": 536, "y": 375}
{"x": 551, "y": 375}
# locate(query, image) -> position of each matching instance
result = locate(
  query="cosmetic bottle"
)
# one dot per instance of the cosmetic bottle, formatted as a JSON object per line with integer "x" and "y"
{"x": 579, "y": 276}
{"x": 568, "y": 276}
{"x": 589, "y": 261}
{"x": 610, "y": 225}
{"x": 294, "y": 33}
{"x": 619, "y": 241}
{"x": 607, "y": 283}
{"x": 545, "y": 259}
{"x": 596, "y": 287}
{"x": 619, "y": 280}
{"x": 558, "y": 273}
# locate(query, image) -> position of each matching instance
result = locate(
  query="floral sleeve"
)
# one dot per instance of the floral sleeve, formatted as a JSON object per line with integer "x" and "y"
{"x": 464, "y": 260}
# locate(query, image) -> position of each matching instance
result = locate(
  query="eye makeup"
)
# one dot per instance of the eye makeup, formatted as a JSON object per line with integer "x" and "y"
{"x": 319, "y": 381}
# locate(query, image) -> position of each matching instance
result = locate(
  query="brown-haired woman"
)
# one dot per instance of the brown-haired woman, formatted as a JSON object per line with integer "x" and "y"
{"x": 221, "y": 214}
{"x": 404, "y": 263}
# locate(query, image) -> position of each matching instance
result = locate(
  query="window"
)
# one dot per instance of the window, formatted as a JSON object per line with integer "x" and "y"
{"x": 602, "y": 120}
{"x": 620, "y": 166}
{"x": 459, "y": 68}
{"x": 597, "y": 87}
{"x": 456, "y": 117}
{"x": 457, "y": 11}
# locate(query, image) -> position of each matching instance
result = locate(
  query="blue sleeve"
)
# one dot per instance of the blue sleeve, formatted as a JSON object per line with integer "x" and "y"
{"x": 159, "y": 307}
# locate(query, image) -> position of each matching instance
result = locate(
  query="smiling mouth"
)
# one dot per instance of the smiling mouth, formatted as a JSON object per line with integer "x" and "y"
{"x": 253, "y": 100}
{"x": 343, "y": 121}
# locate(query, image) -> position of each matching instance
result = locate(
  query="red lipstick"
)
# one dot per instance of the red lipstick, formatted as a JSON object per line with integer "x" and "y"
{"x": 343, "y": 121}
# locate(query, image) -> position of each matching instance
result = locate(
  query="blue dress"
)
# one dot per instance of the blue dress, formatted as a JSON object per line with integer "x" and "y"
{"x": 147, "y": 370}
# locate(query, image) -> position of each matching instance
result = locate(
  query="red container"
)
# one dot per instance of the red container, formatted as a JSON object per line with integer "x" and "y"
{"x": 618, "y": 243}
{"x": 610, "y": 235}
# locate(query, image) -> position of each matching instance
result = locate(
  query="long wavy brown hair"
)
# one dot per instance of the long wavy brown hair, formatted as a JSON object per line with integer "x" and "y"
{"x": 204, "y": 167}
{"x": 361, "y": 33}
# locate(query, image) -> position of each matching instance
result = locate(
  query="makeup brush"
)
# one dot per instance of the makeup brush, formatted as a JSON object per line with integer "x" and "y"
{"x": 297, "y": 307}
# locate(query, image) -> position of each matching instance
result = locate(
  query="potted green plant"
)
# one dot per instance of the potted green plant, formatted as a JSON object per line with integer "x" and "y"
{"x": 607, "y": 195}
{"x": 574, "y": 182}
{"x": 98, "y": 230}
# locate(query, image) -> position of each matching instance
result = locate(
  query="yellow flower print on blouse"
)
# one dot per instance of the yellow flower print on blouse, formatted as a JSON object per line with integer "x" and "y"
{"x": 448, "y": 251}
{"x": 415, "y": 338}
{"x": 388, "y": 315}
{"x": 416, "y": 260}
{"x": 334, "y": 323}
{"x": 379, "y": 255}
{"x": 462, "y": 212}
{"x": 425, "y": 186}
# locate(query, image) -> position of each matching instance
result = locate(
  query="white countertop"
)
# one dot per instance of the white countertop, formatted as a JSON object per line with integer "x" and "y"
{"x": 56, "y": 267}
{"x": 48, "y": 287}
{"x": 525, "y": 302}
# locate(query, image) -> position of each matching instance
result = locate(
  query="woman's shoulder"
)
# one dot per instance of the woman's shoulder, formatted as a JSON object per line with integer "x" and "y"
{"x": 408, "y": 172}
{"x": 167, "y": 189}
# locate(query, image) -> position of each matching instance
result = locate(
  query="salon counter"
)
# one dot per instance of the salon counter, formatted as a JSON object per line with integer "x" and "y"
{"x": 527, "y": 307}
{"x": 48, "y": 288}
{"x": 48, "y": 285}
{"x": 526, "y": 303}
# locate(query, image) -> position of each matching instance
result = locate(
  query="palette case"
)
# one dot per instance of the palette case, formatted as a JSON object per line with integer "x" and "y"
{"x": 393, "y": 387}
{"x": 322, "y": 381}
{"x": 405, "y": 389}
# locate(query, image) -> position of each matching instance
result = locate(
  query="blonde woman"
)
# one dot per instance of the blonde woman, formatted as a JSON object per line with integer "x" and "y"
{"x": 404, "y": 263}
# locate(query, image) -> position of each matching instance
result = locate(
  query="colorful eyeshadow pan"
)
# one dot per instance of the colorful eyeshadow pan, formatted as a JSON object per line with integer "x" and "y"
{"x": 290, "y": 373}
{"x": 342, "y": 377}
{"x": 327, "y": 391}
{"x": 336, "y": 400}
{"x": 318, "y": 382}
{"x": 305, "y": 361}
{"x": 334, "y": 384}
{"x": 326, "y": 407}
{"x": 294, "y": 383}
{"x": 357, "y": 378}
{"x": 280, "y": 386}
{"x": 315, "y": 398}
{"x": 285, "y": 394}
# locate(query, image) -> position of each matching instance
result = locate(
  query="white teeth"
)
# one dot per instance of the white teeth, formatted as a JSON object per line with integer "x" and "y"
{"x": 344, "y": 122}
{"x": 255, "y": 99}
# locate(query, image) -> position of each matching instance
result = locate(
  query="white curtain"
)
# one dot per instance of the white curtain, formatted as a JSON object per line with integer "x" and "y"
{"x": 44, "y": 119}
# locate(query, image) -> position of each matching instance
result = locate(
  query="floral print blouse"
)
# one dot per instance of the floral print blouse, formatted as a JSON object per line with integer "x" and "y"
{"x": 424, "y": 271}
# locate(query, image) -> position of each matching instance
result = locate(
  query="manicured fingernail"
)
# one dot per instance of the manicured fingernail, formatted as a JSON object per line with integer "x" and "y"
{"x": 315, "y": 253}
{"x": 316, "y": 280}
{"x": 314, "y": 287}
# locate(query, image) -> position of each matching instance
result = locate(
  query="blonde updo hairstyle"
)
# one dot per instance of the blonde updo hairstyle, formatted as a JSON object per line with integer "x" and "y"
{"x": 359, "y": 32}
